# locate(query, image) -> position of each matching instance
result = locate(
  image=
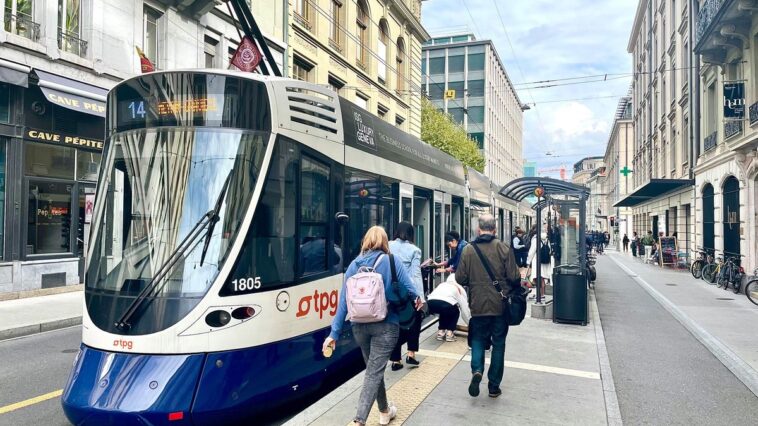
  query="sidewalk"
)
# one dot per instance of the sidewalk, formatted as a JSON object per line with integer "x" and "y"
{"x": 21, "y": 317}
{"x": 555, "y": 374}
{"x": 722, "y": 321}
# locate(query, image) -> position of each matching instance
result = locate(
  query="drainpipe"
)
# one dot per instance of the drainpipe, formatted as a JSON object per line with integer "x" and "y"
{"x": 694, "y": 107}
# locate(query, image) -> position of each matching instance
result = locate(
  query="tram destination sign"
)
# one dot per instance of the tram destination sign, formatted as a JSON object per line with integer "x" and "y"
{"x": 368, "y": 133}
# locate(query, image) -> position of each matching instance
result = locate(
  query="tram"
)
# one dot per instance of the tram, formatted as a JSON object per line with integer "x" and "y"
{"x": 228, "y": 207}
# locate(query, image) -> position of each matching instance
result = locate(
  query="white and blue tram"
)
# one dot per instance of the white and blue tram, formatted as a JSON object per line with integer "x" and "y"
{"x": 228, "y": 207}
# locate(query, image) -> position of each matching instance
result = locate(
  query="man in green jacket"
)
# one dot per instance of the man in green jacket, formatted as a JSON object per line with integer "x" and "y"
{"x": 488, "y": 323}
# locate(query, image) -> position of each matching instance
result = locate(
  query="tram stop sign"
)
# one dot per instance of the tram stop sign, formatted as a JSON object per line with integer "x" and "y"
{"x": 539, "y": 192}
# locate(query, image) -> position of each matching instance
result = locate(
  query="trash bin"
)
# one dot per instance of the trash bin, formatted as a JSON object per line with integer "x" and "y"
{"x": 570, "y": 297}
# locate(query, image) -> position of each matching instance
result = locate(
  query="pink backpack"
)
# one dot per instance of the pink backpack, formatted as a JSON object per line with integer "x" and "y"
{"x": 365, "y": 297}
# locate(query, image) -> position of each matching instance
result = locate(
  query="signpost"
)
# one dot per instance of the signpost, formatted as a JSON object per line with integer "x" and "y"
{"x": 734, "y": 100}
{"x": 667, "y": 250}
{"x": 449, "y": 94}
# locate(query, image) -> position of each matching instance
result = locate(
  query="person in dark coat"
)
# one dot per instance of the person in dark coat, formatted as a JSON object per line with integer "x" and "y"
{"x": 625, "y": 242}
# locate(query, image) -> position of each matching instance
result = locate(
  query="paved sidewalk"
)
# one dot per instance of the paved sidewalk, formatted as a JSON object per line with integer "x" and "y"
{"x": 722, "y": 321}
{"x": 555, "y": 374}
{"x": 21, "y": 317}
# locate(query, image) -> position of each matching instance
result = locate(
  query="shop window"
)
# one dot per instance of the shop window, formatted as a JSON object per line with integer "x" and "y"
{"x": 314, "y": 216}
{"x": 2, "y": 196}
{"x": 476, "y": 62}
{"x": 87, "y": 165}
{"x": 49, "y": 161}
{"x": 5, "y": 103}
{"x": 49, "y": 218}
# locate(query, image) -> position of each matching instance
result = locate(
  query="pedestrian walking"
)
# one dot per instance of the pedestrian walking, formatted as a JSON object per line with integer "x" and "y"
{"x": 450, "y": 302}
{"x": 378, "y": 337}
{"x": 625, "y": 243}
{"x": 647, "y": 243}
{"x": 488, "y": 324}
{"x": 519, "y": 248}
{"x": 635, "y": 244}
{"x": 404, "y": 249}
{"x": 542, "y": 261}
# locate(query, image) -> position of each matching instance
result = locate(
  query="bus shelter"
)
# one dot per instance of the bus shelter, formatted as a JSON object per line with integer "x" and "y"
{"x": 561, "y": 213}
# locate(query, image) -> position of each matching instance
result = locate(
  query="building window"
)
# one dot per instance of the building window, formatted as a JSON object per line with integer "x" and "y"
{"x": 2, "y": 196}
{"x": 400, "y": 65}
{"x": 673, "y": 79}
{"x": 361, "y": 100}
{"x": 302, "y": 70}
{"x": 210, "y": 52}
{"x": 18, "y": 19}
{"x": 399, "y": 120}
{"x": 476, "y": 62}
{"x": 478, "y": 138}
{"x": 476, "y": 88}
{"x": 455, "y": 63}
{"x": 150, "y": 35}
{"x": 382, "y": 111}
{"x": 436, "y": 66}
{"x": 5, "y": 103}
{"x": 383, "y": 42}
{"x": 336, "y": 23}
{"x": 49, "y": 218}
{"x": 685, "y": 139}
{"x": 49, "y": 161}
{"x": 336, "y": 84}
{"x": 436, "y": 90}
{"x": 303, "y": 13}
{"x": 476, "y": 115}
{"x": 456, "y": 114}
{"x": 87, "y": 165}
{"x": 69, "y": 27}
{"x": 361, "y": 24}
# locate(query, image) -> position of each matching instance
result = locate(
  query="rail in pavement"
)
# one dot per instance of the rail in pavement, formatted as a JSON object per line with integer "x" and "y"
{"x": 31, "y": 315}
{"x": 722, "y": 321}
{"x": 553, "y": 375}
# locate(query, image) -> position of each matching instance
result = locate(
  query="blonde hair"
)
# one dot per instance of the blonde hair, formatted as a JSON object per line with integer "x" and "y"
{"x": 375, "y": 239}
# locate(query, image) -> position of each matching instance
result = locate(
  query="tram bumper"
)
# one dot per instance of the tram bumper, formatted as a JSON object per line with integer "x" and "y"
{"x": 107, "y": 388}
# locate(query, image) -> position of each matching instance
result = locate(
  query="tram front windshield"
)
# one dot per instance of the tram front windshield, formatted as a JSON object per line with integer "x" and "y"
{"x": 159, "y": 185}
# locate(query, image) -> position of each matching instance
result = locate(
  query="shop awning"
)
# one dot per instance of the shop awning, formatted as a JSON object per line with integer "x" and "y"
{"x": 72, "y": 94}
{"x": 653, "y": 189}
{"x": 13, "y": 73}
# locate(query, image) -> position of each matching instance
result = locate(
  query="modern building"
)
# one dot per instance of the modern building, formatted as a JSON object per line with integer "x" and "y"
{"x": 466, "y": 78}
{"x": 617, "y": 160}
{"x": 660, "y": 43}
{"x": 584, "y": 168}
{"x": 597, "y": 208}
{"x": 58, "y": 58}
{"x": 726, "y": 172}
{"x": 369, "y": 51}
{"x": 530, "y": 169}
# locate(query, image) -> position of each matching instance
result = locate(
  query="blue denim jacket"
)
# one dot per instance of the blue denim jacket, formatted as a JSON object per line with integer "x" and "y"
{"x": 368, "y": 259}
{"x": 410, "y": 255}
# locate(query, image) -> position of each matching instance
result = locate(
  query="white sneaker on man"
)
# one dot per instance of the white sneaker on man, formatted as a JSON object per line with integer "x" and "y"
{"x": 385, "y": 418}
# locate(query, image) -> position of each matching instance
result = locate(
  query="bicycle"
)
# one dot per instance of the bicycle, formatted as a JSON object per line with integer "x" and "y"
{"x": 730, "y": 275}
{"x": 704, "y": 258}
{"x": 751, "y": 288}
{"x": 711, "y": 271}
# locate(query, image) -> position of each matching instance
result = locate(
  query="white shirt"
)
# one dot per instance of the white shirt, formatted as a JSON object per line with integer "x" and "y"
{"x": 452, "y": 293}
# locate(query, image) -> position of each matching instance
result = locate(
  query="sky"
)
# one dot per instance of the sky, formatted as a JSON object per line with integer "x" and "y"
{"x": 553, "y": 40}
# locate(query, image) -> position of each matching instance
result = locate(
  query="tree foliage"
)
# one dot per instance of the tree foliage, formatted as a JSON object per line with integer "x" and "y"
{"x": 439, "y": 130}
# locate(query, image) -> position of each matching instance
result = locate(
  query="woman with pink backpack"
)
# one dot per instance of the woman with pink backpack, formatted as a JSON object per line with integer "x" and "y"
{"x": 364, "y": 300}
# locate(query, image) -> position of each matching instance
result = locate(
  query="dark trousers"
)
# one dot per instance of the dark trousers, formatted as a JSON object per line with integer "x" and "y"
{"x": 448, "y": 313}
{"x": 634, "y": 249}
{"x": 484, "y": 330}
{"x": 521, "y": 256}
{"x": 626, "y": 246}
{"x": 410, "y": 336}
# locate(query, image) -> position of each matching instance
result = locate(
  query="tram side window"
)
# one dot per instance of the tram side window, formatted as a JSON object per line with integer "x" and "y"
{"x": 314, "y": 216}
{"x": 362, "y": 197}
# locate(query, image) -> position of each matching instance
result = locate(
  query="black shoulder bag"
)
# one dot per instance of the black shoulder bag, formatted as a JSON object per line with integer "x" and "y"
{"x": 403, "y": 304}
{"x": 514, "y": 305}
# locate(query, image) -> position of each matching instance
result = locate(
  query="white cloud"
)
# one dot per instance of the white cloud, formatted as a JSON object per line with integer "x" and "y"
{"x": 574, "y": 119}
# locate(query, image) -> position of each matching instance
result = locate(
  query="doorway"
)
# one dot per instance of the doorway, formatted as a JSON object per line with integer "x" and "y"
{"x": 731, "y": 216}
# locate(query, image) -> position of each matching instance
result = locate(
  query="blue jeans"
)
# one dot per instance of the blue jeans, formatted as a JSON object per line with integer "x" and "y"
{"x": 495, "y": 330}
{"x": 376, "y": 340}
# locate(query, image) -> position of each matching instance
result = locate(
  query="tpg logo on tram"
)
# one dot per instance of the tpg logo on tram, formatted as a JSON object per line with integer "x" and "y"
{"x": 322, "y": 302}
{"x": 123, "y": 344}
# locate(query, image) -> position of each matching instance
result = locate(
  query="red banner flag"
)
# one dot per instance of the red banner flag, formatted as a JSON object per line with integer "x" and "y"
{"x": 247, "y": 57}
{"x": 145, "y": 63}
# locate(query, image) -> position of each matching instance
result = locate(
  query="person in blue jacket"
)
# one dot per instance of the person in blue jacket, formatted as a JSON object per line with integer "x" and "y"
{"x": 376, "y": 339}
{"x": 455, "y": 244}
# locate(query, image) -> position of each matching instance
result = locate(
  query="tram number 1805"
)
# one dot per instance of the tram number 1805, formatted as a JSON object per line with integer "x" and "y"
{"x": 246, "y": 284}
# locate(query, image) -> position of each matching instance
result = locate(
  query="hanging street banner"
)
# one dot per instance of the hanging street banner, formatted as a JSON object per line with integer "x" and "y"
{"x": 734, "y": 99}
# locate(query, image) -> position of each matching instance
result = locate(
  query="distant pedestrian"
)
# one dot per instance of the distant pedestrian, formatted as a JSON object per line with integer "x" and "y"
{"x": 376, "y": 339}
{"x": 625, "y": 242}
{"x": 488, "y": 324}
{"x": 542, "y": 260}
{"x": 404, "y": 249}
{"x": 635, "y": 244}
{"x": 519, "y": 248}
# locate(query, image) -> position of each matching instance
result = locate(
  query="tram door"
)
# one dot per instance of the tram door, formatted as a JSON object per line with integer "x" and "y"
{"x": 421, "y": 211}
{"x": 406, "y": 203}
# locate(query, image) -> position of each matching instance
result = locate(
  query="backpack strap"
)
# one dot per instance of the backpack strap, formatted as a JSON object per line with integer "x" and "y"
{"x": 392, "y": 268}
{"x": 487, "y": 268}
{"x": 378, "y": 259}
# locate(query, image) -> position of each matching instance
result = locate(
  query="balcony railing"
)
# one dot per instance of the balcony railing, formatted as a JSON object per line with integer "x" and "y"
{"x": 710, "y": 142}
{"x": 71, "y": 43}
{"x": 707, "y": 16}
{"x": 753, "y": 112}
{"x": 732, "y": 128}
{"x": 21, "y": 24}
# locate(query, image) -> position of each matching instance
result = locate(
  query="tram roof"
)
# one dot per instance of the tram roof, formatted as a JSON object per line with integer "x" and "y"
{"x": 520, "y": 188}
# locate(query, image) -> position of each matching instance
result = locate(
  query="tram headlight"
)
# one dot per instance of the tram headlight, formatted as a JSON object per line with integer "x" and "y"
{"x": 243, "y": 312}
{"x": 218, "y": 318}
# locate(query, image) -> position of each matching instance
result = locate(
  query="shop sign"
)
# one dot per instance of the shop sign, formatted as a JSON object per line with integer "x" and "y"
{"x": 734, "y": 99}
{"x": 57, "y": 138}
{"x": 76, "y": 103}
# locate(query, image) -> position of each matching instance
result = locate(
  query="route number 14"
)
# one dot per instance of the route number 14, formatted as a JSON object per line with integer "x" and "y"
{"x": 246, "y": 284}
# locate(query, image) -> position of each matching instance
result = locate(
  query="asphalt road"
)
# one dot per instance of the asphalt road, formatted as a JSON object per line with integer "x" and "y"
{"x": 663, "y": 375}
{"x": 36, "y": 365}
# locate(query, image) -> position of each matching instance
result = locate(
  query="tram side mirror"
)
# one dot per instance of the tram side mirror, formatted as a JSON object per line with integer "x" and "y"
{"x": 341, "y": 218}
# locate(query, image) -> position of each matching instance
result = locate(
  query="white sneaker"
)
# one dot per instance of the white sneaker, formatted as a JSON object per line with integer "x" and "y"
{"x": 385, "y": 418}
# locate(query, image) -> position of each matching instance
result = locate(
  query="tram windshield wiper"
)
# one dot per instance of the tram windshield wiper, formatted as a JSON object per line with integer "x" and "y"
{"x": 209, "y": 219}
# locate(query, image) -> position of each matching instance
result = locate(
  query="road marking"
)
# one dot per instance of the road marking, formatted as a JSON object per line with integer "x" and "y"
{"x": 31, "y": 401}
